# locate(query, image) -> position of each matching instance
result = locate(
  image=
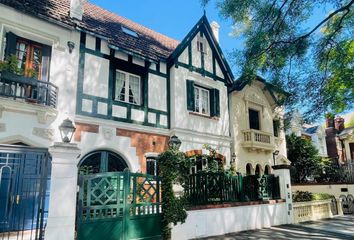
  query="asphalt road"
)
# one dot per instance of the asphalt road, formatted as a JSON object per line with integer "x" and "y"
{"x": 335, "y": 228}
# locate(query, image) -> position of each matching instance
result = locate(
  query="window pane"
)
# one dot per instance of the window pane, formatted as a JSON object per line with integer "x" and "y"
{"x": 21, "y": 54}
{"x": 91, "y": 164}
{"x": 205, "y": 101}
{"x": 37, "y": 62}
{"x": 134, "y": 89}
{"x": 196, "y": 95}
{"x": 115, "y": 163}
{"x": 253, "y": 119}
{"x": 151, "y": 166}
{"x": 120, "y": 86}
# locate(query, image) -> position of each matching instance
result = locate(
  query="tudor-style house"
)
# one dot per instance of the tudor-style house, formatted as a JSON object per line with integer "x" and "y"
{"x": 125, "y": 87}
{"x": 256, "y": 127}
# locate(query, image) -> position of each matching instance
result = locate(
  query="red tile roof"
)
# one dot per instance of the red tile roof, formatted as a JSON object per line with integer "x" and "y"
{"x": 149, "y": 43}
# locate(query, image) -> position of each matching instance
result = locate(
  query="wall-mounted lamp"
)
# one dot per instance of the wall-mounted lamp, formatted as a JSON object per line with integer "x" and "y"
{"x": 174, "y": 142}
{"x": 71, "y": 46}
{"x": 275, "y": 153}
{"x": 67, "y": 130}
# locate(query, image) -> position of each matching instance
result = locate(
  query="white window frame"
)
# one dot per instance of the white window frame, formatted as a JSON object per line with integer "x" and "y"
{"x": 126, "y": 93}
{"x": 200, "y": 90}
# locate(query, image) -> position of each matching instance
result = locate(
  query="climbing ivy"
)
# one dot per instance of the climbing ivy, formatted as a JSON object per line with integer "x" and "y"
{"x": 173, "y": 169}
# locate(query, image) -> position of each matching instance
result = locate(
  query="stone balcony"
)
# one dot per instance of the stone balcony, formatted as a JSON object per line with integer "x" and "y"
{"x": 255, "y": 140}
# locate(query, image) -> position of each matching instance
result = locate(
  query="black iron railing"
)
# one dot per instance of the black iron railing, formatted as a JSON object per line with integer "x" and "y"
{"x": 27, "y": 88}
{"x": 212, "y": 188}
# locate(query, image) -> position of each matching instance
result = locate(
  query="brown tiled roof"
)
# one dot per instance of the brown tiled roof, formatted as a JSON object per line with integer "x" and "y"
{"x": 102, "y": 22}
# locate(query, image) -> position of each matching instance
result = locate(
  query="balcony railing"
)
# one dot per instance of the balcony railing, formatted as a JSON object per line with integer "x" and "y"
{"x": 258, "y": 140}
{"x": 29, "y": 89}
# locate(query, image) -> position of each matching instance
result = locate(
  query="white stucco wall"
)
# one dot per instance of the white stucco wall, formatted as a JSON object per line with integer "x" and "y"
{"x": 334, "y": 189}
{"x": 252, "y": 96}
{"x": 219, "y": 221}
{"x": 157, "y": 92}
{"x": 31, "y": 123}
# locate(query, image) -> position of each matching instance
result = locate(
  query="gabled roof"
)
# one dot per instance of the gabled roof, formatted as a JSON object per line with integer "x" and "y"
{"x": 346, "y": 131}
{"x": 101, "y": 22}
{"x": 240, "y": 83}
{"x": 203, "y": 24}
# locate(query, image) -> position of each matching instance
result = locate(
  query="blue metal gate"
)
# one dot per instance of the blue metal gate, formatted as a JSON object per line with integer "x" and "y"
{"x": 24, "y": 191}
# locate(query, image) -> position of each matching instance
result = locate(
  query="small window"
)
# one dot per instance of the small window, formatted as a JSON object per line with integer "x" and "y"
{"x": 254, "y": 119}
{"x": 151, "y": 166}
{"x": 276, "y": 125}
{"x": 127, "y": 88}
{"x": 202, "y": 100}
{"x": 201, "y": 45}
{"x": 129, "y": 32}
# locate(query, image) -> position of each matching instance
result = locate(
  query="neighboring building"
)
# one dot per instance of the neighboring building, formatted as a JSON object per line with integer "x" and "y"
{"x": 256, "y": 127}
{"x": 316, "y": 134}
{"x": 340, "y": 140}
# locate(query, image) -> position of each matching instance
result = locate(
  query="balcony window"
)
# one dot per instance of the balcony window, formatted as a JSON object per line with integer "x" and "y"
{"x": 127, "y": 87}
{"x": 254, "y": 119}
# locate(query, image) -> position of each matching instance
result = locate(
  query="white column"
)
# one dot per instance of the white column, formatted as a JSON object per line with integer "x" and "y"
{"x": 283, "y": 172}
{"x": 63, "y": 190}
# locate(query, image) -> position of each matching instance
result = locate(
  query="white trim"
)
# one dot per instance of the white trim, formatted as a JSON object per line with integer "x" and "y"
{"x": 151, "y": 155}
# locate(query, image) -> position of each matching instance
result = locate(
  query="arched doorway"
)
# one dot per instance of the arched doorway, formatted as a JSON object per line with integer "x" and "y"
{"x": 100, "y": 162}
{"x": 258, "y": 171}
{"x": 248, "y": 169}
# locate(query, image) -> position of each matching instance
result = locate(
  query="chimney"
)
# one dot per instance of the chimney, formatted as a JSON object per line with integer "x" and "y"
{"x": 329, "y": 121}
{"x": 77, "y": 9}
{"x": 339, "y": 124}
{"x": 215, "y": 28}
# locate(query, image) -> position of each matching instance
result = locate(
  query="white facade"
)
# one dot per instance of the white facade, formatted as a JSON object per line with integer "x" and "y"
{"x": 251, "y": 146}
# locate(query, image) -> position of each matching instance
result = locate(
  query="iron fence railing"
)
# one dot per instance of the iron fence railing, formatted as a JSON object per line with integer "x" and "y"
{"x": 212, "y": 188}
{"x": 30, "y": 89}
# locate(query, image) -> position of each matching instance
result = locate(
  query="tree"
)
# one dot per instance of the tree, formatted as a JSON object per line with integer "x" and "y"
{"x": 313, "y": 62}
{"x": 304, "y": 159}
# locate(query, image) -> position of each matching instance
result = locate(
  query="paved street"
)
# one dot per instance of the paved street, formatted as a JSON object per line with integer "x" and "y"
{"x": 336, "y": 228}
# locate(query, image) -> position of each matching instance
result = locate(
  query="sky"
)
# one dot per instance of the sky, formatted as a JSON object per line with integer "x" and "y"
{"x": 173, "y": 18}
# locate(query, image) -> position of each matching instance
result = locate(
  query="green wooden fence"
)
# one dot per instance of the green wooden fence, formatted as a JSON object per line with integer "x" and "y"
{"x": 212, "y": 188}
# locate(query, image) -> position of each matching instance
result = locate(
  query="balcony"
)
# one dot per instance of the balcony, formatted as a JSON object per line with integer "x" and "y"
{"x": 255, "y": 140}
{"x": 28, "y": 89}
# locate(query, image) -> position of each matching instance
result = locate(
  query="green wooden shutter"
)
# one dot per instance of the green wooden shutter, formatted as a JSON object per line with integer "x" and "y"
{"x": 214, "y": 103}
{"x": 190, "y": 96}
{"x": 11, "y": 40}
{"x": 46, "y": 55}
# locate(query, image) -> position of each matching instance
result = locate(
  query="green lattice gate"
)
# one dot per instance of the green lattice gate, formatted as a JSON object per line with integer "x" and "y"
{"x": 119, "y": 205}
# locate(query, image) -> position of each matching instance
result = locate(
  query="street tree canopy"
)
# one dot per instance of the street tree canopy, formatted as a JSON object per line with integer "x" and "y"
{"x": 312, "y": 58}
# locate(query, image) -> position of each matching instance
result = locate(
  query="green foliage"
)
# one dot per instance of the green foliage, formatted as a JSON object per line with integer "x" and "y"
{"x": 11, "y": 65}
{"x": 304, "y": 159}
{"x": 302, "y": 196}
{"x": 305, "y": 196}
{"x": 173, "y": 169}
{"x": 313, "y": 63}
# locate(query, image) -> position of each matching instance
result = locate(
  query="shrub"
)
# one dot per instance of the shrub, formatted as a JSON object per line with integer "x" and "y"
{"x": 301, "y": 196}
{"x": 305, "y": 196}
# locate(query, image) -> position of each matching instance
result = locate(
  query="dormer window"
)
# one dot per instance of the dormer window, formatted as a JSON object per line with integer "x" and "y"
{"x": 130, "y": 32}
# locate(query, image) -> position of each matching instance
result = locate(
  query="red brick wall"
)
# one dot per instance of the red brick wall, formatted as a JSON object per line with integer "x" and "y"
{"x": 331, "y": 142}
{"x": 84, "y": 127}
{"x": 144, "y": 142}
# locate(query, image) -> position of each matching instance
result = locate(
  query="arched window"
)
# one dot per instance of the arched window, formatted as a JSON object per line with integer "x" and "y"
{"x": 267, "y": 170}
{"x": 248, "y": 169}
{"x": 102, "y": 161}
{"x": 258, "y": 170}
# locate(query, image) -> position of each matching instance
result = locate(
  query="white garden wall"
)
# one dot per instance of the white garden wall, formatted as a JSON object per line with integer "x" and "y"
{"x": 219, "y": 221}
{"x": 334, "y": 189}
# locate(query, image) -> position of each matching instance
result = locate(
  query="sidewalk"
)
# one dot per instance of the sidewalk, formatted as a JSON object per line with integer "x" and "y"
{"x": 336, "y": 228}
